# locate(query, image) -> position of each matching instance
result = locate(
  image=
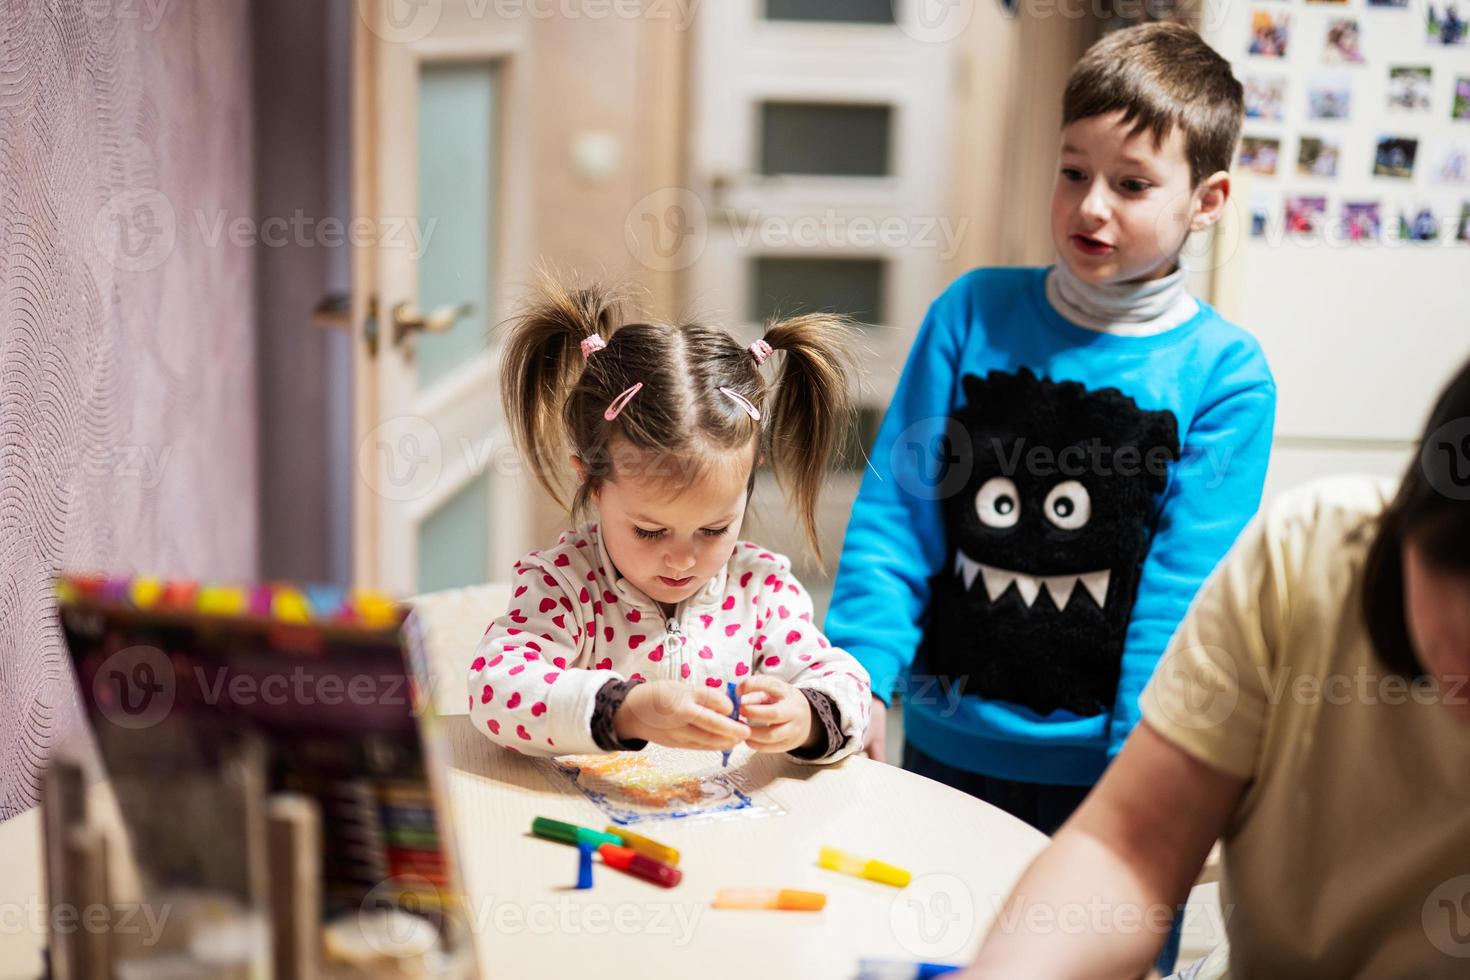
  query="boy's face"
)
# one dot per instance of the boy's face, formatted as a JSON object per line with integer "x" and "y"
{"x": 1123, "y": 205}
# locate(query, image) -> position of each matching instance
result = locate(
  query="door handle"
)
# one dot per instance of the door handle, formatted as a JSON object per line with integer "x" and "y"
{"x": 409, "y": 320}
{"x": 334, "y": 312}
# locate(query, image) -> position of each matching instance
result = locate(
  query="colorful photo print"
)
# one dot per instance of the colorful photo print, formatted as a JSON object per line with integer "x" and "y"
{"x": 1264, "y": 95}
{"x": 1305, "y": 214}
{"x": 1409, "y": 87}
{"x": 1261, "y": 210}
{"x": 1445, "y": 22}
{"x": 1418, "y": 223}
{"x": 1362, "y": 221}
{"x": 1317, "y": 157}
{"x": 1259, "y": 154}
{"x": 1462, "y": 232}
{"x": 1461, "y": 107}
{"x": 1394, "y": 156}
{"x": 1344, "y": 42}
{"x": 1329, "y": 96}
{"x": 1450, "y": 162}
{"x": 1389, "y": 3}
{"x": 1270, "y": 31}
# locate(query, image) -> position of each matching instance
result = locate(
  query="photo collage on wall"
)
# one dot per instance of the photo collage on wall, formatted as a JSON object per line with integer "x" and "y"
{"x": 1357, "y": 123}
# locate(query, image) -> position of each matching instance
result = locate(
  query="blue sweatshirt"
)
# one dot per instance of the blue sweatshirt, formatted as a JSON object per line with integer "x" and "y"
{"x": 1042, "y": 503}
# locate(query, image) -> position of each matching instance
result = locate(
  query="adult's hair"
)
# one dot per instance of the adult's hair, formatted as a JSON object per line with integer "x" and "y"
{"x": 1432, "y": 511}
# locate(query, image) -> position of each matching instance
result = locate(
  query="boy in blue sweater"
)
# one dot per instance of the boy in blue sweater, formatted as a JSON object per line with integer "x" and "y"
{"x": 1069, "y": 452}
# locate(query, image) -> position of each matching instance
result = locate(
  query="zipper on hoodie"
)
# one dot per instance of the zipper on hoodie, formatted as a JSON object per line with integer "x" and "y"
{"x": 673, "y": 631}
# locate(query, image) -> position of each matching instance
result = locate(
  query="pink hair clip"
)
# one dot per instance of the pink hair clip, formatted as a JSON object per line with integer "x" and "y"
{"x": 743, "y": 402}
{"x": 621, "y": 402}
{"x": 760, "y": 350}
{"x": 592, "y": 345}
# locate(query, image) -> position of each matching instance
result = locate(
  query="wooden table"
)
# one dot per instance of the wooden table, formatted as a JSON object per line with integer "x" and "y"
{"x": 965, "y": 856}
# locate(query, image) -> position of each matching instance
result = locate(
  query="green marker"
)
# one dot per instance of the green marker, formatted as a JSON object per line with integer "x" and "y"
{"x": 570, "y": 833}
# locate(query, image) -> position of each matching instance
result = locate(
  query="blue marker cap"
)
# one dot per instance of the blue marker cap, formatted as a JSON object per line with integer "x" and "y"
{"x": 734, "y": 694}
{"x": 584, "y": 865}
{"x": 898, "y": 970}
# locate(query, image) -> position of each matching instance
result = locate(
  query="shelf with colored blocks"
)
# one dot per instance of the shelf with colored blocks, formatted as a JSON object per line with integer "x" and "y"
{"x": 322, "y": 605}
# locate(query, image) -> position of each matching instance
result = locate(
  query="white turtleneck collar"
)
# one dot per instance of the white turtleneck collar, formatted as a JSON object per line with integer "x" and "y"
{"x": 1139, "y": 309}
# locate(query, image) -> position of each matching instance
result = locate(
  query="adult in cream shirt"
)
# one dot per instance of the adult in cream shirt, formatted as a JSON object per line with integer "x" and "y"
{"x": 1313, "y": 711}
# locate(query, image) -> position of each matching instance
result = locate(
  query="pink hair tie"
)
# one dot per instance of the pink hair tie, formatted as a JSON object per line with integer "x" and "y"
{"x": 743, "y": 402}
{"x": 760, "y": 350}
{"x": 592, "y": 345}
{"x": 621, "y": 402}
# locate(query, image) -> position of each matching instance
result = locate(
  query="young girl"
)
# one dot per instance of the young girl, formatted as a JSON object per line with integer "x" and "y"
{"x": 627, "y": 631}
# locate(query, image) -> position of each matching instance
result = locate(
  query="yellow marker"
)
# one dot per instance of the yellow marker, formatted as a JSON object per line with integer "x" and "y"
{"x": 851, "y": 864}
{"x": 787, "y": 899}
{"x": 646, "y": 847}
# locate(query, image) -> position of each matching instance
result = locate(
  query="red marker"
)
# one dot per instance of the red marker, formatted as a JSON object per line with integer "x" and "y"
{"x": 628, "y": 860}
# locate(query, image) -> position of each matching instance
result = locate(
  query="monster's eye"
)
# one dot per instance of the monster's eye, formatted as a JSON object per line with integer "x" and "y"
{"x": 998, "y": 503}
{"x": 1068, "y": 506}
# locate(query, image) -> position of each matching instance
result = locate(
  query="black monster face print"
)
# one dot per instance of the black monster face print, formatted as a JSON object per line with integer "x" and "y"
{"x": 1047, "y": 540}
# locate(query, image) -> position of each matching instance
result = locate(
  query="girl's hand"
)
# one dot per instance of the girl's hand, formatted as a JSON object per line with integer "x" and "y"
{"x": 780, "y": 716}
{"x": 680, "y": 716}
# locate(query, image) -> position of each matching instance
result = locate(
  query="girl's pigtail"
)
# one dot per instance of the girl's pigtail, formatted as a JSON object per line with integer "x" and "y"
{"x": 812, "y": 407}
{"x": 542, "y": 359}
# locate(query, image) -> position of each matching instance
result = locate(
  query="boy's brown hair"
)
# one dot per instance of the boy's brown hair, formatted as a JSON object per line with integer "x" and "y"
{"x": 679, "y": 421}
{"x": 1162, "y": 75}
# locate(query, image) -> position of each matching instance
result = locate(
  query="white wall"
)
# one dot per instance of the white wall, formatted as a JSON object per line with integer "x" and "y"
{"x": 1360, "y": 336}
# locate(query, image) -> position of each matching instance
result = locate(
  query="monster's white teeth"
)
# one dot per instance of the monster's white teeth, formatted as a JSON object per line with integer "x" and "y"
{"x": 1059, "y": 587}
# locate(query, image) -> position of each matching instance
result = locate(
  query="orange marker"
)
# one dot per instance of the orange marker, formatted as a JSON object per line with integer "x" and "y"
{"x": 786, "y": 899}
